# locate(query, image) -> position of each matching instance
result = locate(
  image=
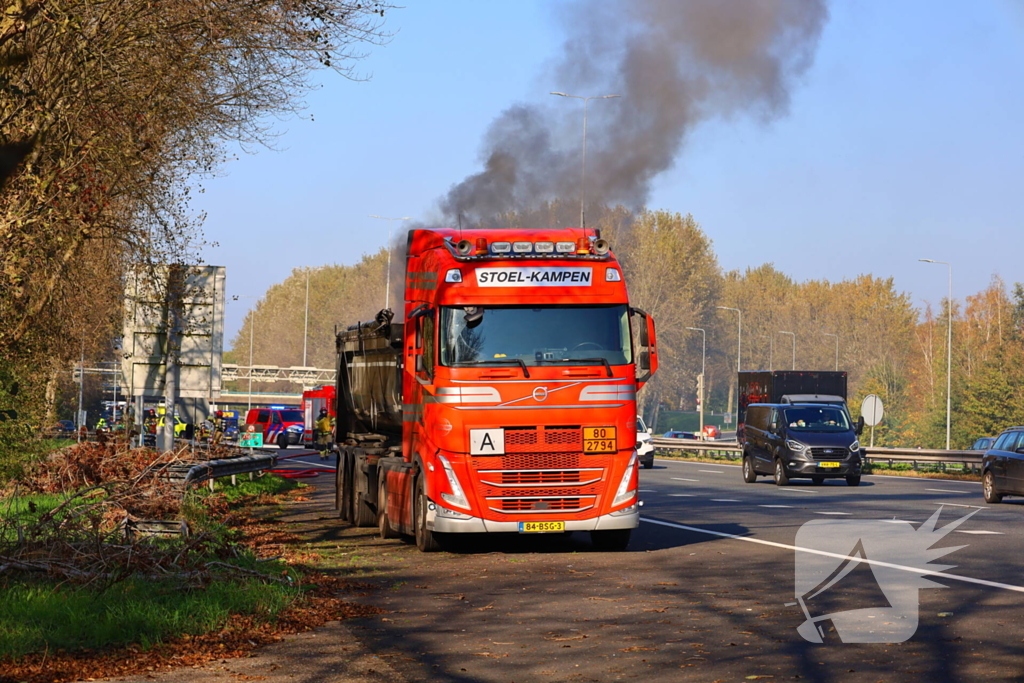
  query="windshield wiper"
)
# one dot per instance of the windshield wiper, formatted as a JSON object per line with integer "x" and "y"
{"x": 604, "y": 361}
{"x": 517, "y": 361}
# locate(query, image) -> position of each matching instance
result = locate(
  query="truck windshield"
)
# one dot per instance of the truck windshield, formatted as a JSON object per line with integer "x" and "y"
{"x": 817, "y": 419}
{"x": 535, "y": 335}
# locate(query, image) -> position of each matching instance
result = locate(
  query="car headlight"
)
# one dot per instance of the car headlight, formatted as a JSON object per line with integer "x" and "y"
{"x": 855, "y": 446}
{"x": 296, "y": 428}
{"x": 795, "y": 446}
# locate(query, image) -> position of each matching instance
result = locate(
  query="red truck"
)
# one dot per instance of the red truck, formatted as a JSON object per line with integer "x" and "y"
{"x": 503, "y": 399}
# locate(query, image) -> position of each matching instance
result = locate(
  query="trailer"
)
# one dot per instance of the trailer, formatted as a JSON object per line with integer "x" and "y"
{"x": 789, "y": 386}
{"x": 502, "y": 399}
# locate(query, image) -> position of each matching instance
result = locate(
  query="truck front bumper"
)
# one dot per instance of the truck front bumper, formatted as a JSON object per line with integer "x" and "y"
{"x": 446, "y": 521}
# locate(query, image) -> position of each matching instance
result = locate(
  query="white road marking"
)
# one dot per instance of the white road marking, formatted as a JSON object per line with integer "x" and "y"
{"x": 961, "y": 505}
{"x": 712, "y": 471}
{"x": 979, "y": 532}
{"x": 725, "y": 500}
{"x": 783, "y": 488}
{"x": 682, "y": 479}
{"x": 898, "y": 521}
{"x": 647, "y": 491}
{"x": 922, "y": 571}
{"x": 821, "y": 512}
{"x": 680, "y": 495}
{"x": 693, "y": 462}
{"x": 948, "y": 491}
{"x": 774, "y": 506}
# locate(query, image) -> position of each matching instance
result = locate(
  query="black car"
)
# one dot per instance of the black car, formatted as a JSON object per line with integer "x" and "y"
{"x": 812, "y": 440}
{"x": 1002, "y": 466}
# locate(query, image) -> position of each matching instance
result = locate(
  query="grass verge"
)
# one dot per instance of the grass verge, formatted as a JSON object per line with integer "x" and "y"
{"x": 158, "y": 601}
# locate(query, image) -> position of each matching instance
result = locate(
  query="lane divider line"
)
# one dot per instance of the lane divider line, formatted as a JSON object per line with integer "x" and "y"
{"x": 725, "y": 500}
{"x": 712, "y": 471}
{"x": 961, "y": 505}
{"x": 774, "y": 506}
{"x": 681, "y": 479}
{"x": 822, "y": 512}
{"x": 680, "y": 495}
{"x": 786, "y": 546}
{"x": 978, "y": 531}
{"x": 949, "y": 491}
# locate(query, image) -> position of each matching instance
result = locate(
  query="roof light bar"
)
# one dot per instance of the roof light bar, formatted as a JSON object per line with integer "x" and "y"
{"x": 544, "y": 247}
{"x": 501, "y": 247}
{"x": 565, "y": 247}
{"x": 522, "y": 247}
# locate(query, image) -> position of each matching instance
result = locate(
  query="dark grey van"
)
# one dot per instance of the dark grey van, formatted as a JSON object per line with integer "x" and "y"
{"x": 812, "y": 440}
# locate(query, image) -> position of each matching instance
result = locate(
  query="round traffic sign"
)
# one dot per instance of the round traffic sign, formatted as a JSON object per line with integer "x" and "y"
{"x": 872, "y": 410}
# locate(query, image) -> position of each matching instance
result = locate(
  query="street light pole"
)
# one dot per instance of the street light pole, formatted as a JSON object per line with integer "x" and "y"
{"x": 252, "y": 334}
{"x": 739, "y": 348}
{"x": 703, "y": 357}
{"x": 771, "y": 350}
{"x": 305, "y": 326}
{"x": 837, "y": 347}
{"x": 387, "y": 291}
{"x": 794, "y": 346}
{"x": 949, "y": 343}
{"x": 583, "y": 171}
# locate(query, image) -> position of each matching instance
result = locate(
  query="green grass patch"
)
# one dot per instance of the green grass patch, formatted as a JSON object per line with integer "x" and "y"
{"x": 36, "y": 616}
{"x": 268, "y": 484}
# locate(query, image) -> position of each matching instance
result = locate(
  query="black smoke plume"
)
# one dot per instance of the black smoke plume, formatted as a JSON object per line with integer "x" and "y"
{"x": 674, "y": 63}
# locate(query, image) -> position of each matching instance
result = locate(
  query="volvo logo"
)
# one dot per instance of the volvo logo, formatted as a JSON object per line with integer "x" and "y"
{"x": 540, "y": 394}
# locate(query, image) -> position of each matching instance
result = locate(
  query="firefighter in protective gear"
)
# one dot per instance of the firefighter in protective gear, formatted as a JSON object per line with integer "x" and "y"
{"x": 150, "y": 422}
{"x": 322, "y": 433}
{"x": 218, "y": 427}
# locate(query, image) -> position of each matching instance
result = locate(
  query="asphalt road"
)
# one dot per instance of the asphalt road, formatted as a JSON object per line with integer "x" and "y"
{"x": 705, "y": 592}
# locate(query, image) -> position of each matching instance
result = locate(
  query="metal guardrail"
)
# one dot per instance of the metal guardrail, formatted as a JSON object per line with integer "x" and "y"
{"x": 915, "y": 456}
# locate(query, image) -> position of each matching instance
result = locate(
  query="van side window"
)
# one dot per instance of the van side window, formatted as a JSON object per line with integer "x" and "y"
{"x": 277, "y": 418}
{"x": 773, "y": 419}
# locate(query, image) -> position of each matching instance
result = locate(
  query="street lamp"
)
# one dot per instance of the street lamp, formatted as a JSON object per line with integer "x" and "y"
{"x": 794, "y": 346}
{"x": 771, "y": 349}
{"x": 252, "y": 333}
{"x": 837, "y": 346}
{"x": 703, "y": 357}
{"x": 583, "y": 172}
{"x": 739, "y": 346}
{"x": 949, "y": 342}
{"x": 387, "y": 291}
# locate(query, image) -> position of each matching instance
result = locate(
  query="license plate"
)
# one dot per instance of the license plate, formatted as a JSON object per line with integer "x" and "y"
{"x": 541, "y": 527}
{"x": 599, "y": 440}
{"x": 829, "y": 465}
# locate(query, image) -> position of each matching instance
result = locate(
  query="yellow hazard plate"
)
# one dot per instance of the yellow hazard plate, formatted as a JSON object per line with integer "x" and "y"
{"x": 541, "y": 527}
{"x": 829, "y": 465}
{"x": 599, "y": 440}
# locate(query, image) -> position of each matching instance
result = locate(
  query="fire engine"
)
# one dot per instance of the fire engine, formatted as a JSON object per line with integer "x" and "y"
{"x": 502, "y": 399}
{"x": 313, "y": 400}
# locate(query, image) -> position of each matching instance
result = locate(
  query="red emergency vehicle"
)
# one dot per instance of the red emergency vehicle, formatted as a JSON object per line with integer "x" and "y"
{"x": 313, "y": 400}
{"x": 502, "y": 399}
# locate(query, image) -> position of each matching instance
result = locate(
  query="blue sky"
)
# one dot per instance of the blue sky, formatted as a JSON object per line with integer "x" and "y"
{"x": 903, "y": 141}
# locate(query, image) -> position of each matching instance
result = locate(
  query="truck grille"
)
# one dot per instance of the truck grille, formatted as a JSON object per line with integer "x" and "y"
{"x": 835, "y": 453}
{"x": 541, "y": 439}
{"x": 542, "y": 504}
{"x": 507, "y": 478}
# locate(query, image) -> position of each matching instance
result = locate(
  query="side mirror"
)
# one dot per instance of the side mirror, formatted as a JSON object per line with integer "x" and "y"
{"x": 647, "y": 353}
{"x": 860, "y": 425}
{"x": 1020, "y": 450}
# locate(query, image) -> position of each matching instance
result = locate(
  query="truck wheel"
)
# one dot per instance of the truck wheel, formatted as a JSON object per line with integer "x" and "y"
{"x": 425, "y": 538}
{"x": 988, "y": 488}
{"x": 338, "y": 483}
{"x": 383, "y": 523}
{"x": 365, "y": 512}
{"x": 853, "y": 480}
{"x": 610, "y": 540}
{"x": 749, "y": 475}
{"x": 345, "y": 477}
{"x": 781, "y": 478}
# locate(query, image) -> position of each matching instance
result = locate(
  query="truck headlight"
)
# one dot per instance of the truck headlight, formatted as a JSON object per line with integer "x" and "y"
{"x": 456, "y": 497}
{"x": 628, "y": 485}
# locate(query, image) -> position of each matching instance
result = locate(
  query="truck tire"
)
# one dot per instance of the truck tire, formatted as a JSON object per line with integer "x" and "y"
{"x": 610, "y": 540}
{"x": 426, "y": 540}
{"x": 781, "y": 478}
{"x": 365, "y": 512}
{"x": 749, "y": 475}
{"x": 346, "y": 493}
{"x": 337, "y": 487}
{"x": 383, "y": 523}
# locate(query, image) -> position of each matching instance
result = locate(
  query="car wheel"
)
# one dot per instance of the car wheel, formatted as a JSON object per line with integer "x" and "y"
{"x": 853, "y": 480}
{"x": 781, "y": 478}
{"x": 817, "y": 481}
{"x": 282, "y": 441}
{"x": 610, "y": 540}
{"x": 749, "y": 475}
{"x": 988, "y": 487}
{"x": 649, "y": 464}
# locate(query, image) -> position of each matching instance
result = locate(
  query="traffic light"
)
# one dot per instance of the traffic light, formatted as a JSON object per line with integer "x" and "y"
{"x": 700, "y": 388}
